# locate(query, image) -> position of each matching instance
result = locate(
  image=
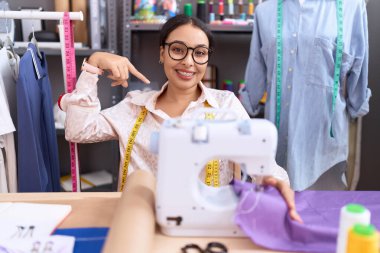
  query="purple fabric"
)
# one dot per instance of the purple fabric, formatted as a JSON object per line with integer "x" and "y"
{"x": 264, "y": 217}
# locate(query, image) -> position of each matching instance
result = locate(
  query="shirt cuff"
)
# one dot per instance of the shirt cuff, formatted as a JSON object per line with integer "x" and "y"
{"x": 90, "y": 68}
{"x": 59, "y": 101}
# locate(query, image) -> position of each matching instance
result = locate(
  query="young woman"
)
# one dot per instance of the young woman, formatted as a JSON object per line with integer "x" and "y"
{"x": 185, "y": 48}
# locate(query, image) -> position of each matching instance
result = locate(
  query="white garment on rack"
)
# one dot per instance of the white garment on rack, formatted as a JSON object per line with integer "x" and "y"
{"x": 3, "y": 174}
{"x": 6, "y": 125}
{"x": 7, "y": 148}
{"x": 9, "y": 68}
{"x": 9, "y": 64}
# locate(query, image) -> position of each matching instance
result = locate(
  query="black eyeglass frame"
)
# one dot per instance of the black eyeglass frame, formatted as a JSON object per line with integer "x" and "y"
{"x": 187, "y": 51}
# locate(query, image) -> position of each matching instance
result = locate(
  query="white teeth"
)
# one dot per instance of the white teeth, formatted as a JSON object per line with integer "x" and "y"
{"x": 185, "y": 73}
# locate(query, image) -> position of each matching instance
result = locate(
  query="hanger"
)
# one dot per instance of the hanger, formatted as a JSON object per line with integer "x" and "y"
{"x": 34, "y": 41}
{"x": 8, "y": 43}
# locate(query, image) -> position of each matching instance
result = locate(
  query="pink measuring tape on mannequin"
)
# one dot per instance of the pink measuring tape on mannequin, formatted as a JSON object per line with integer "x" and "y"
{"x": 70, "y": 86}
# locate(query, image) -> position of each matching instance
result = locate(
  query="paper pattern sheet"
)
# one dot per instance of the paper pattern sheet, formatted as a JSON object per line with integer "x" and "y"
{"x": 29, "y": 220}
{"x": 46, "y": 244}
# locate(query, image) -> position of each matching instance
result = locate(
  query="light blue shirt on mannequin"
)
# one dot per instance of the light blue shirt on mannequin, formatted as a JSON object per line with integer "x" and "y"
{"x": 305, "y": 148}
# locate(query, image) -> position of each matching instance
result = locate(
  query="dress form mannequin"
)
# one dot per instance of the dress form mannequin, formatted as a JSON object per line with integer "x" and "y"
{"x": 303, "y": 31}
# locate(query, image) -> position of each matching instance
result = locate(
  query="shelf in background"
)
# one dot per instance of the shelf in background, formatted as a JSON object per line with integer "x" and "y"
{"x": 214, "y": 28}
{"x": 143, "y": 27}
{"x": 230, "y": 28}
{"x": 100, "y": 188}
{"x": 92, "y": 181}
{"x": 57, "y": 51}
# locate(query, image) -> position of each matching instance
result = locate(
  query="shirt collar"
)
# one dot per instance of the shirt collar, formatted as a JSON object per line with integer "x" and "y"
{"x": 207, "y": 96}
{"x": 149, "y": 101}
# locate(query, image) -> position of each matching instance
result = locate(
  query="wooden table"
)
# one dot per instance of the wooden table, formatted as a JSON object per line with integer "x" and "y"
{"x": 95, "y": 209}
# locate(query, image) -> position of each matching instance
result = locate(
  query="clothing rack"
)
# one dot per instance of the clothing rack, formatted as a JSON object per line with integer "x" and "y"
{"x": 43, "y": 15}
{"x": 46, "y": 15}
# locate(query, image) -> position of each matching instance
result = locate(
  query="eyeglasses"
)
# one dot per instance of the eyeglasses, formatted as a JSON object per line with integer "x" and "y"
{"x": 178, "y": 51}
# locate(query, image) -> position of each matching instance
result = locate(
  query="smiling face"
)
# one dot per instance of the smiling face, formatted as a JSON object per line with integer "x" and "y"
{"x": 184, "y": 74}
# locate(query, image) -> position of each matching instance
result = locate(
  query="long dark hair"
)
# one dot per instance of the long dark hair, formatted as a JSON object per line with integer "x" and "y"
{"x": 182, "y": 19}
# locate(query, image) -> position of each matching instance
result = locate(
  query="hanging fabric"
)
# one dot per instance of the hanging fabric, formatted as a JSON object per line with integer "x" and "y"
{"x": 38, "y": 162}
{"x": 264, "y": 217}
{"x": 3, "y": 175}
{"x": 9, "y": 66}
{"x": 9, "y": 62}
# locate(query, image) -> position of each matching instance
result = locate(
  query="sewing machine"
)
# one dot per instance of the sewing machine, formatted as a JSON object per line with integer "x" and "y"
{"x": 186, "y": 206}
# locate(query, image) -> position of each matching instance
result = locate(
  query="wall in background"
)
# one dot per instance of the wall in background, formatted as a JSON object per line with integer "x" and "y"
{"x": 370, "y": 156}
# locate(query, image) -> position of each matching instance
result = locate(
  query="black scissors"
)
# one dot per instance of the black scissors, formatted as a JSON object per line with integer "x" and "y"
{"x": 212, "y": 247}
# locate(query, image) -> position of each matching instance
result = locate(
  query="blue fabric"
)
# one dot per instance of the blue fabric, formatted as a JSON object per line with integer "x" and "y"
{"x": 305, "y": 148}
{"x": 86, "y": 239}
{"x": 265, "y": 219}
{"x": 38, "y": 162}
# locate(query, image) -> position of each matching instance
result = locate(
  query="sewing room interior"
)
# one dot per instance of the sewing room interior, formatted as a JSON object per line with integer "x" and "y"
{"x": 189, "y": 126}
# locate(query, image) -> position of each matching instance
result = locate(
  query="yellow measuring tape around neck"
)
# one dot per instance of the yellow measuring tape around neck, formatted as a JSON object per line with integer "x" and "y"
{"x": 212, "y": 167}
{"x": 131, "y": 141}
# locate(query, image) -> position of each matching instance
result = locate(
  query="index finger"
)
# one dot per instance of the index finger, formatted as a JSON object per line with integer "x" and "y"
{"x": 136, "y": 73}
{"x": 285, "y": 191}
{"x": 288, "y": 195}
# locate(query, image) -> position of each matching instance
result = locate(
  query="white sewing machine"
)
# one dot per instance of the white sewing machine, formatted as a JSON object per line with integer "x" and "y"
{"x": 185, "y": 206}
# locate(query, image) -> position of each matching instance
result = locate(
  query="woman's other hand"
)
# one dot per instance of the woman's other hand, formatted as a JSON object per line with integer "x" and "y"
{"x": 118, "y": 67}
{"x": 287, "y": 194}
